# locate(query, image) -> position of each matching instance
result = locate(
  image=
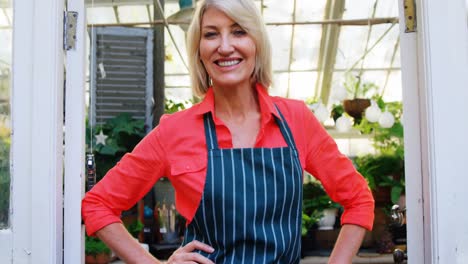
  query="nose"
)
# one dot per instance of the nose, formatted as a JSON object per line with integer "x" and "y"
{"x": 225, "y": 46}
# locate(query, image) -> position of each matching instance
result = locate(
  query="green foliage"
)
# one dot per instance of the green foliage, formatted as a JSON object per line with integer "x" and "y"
{"x": 387, "y": 167}
{"x": 94, "y": 246}
{"x": 383, "y": 170}
{"x": 358, "y": 89}
{"x": 4, "y": 175}
{"x": 311, "y": 101}
{"x": 135, "y": 227}
{"x": 315, "y": 201}
{"x": 123, "y": 133}
{"x": 388, "y": 141}
{"x": 308, "y": 221}
{"x": 172, "y": 106}
{"x": 337, "y": 111}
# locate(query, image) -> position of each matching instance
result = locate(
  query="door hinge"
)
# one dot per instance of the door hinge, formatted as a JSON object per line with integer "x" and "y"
{"x": 69, "y": 29}
{"x": 410, "y": 15}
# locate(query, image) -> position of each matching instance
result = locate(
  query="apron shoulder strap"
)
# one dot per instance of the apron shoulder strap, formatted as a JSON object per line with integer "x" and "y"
{"x": 210, "y": 132}
{"x": 285, "y": 130}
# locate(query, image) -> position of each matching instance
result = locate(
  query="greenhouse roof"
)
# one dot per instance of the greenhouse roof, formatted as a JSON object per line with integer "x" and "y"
{"x": 315, "y": 43}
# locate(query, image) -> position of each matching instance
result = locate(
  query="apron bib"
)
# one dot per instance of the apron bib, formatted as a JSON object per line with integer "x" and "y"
{"x": 251, "y": 208}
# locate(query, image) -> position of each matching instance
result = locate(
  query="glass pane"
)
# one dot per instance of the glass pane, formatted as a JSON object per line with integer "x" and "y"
{"x": 307, "y": 10}
{"x": 5, "y": 121}
{"x": 306, "y": 47}
{"x": 387, "y": 9}
{"x": 278, "y": 11}
{"x": 100, "y": 15}
{"x": 302, "y": 85}
{"x": 280, "y": 37}
{"x": 381, "y": 55}
{"x": 388, "y": 82}
{"x": 352, "y": 43}
{"x": 359, "y": 9}
{"x": 133, "y": 14}
{"x": 174, "y": 63}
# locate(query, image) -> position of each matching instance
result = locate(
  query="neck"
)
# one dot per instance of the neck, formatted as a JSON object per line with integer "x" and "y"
{"x": 234, "y": 103}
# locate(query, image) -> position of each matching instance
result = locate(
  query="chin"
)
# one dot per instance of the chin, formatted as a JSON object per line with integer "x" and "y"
{"x": 227, "y": 81}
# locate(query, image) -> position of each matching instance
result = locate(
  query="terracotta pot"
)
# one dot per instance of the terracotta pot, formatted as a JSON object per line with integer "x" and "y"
{"x": 382, "y": 195}
{"x": 356, "y": 107}
{"x": 102, "y": 258}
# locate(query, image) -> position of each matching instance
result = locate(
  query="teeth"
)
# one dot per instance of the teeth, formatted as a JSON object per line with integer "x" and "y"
{"x": 228, "y": 63}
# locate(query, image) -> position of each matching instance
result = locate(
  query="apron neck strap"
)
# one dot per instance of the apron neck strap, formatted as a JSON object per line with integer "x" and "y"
{"x": 210, "y": 132}
{"x": 285, "y": 130}
{"x": 212, "y": 139}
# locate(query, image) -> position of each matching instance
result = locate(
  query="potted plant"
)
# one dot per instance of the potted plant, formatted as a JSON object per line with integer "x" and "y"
{"x": 359, "y": 94}
{"x": 122, "y": 134}
{"x": 318, "y": 209}
{"x": 135, "y": 228}
{"x": 96, "y": 252}
{"x": 384, "y": 171}
{"x": 316, "y": 202}
{"x": 385, "y": 175}
{"x": 4, "y": 175}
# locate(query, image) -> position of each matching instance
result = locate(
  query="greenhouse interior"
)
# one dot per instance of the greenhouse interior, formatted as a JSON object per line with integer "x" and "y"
{"x": 327, "y": 53}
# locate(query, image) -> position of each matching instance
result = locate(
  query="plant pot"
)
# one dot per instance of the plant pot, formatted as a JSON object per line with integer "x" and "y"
{"x": 382, "y": 196}
{"x": 102, "y": 258}
{"x": 356, "y": 107}
{"x": 309, "y": 243}
{"x": 327, "y": 222}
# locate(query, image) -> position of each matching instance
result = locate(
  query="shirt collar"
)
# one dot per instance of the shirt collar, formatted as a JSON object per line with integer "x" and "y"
{"x": 267, "y": 107}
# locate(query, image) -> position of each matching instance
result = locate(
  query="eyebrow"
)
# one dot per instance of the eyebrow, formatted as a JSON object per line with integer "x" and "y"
{"x": 215, "y": 27}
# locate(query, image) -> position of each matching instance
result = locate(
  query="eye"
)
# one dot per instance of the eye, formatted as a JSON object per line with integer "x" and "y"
{"x": 209, "y": 34}
{"x": 239, "y": 32}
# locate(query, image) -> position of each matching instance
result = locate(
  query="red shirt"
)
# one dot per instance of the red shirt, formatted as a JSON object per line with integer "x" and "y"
{"x": 176, "y": 149}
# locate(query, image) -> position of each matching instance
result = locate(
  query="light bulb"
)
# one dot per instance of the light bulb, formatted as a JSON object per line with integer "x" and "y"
{"x": 373, "y": 112}
{"x": 343, "y": 124}
{"x": 386, "y": 120}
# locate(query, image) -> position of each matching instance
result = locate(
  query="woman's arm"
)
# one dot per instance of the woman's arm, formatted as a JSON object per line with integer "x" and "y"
{"x": 124, "y": 245}
{"x": 129, "y": 250}
{"x": 347, "y": 244}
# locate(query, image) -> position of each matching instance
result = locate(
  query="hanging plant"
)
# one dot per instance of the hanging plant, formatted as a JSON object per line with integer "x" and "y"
{"x": 359, "y": 94}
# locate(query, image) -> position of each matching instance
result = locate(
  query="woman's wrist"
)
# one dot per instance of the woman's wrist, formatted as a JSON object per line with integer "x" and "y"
{"x": 348, "y": 243}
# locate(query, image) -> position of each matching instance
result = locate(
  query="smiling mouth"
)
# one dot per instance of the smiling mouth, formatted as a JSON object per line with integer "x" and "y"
{"x": 227, "y": 63}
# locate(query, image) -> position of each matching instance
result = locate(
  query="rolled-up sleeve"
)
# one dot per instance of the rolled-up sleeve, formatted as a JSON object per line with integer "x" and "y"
{"x": 124, "y": 184}
{"x": 338, "y": 176}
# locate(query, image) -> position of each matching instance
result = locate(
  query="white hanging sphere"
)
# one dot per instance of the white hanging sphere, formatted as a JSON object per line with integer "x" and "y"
{"x": 339, "y": 93}
{"x": 322, "y": 113}
{"x": 373, "y": 112}
{"x": 343, "y": 124}
{"x": 386, "y": 120}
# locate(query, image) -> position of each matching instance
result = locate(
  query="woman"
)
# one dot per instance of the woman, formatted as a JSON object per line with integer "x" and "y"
{"x": 236, "y": 160}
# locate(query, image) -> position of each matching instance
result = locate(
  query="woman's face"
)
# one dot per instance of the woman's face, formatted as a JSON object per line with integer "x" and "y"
{"x": 226, "y": 50}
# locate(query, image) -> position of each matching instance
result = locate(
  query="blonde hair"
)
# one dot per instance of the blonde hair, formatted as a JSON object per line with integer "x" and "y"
{"x": 246, "y": 14}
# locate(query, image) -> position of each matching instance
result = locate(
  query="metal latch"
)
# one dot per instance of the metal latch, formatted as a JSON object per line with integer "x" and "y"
{"x": 410, "y": 15}
{"x": 69, "y": 30}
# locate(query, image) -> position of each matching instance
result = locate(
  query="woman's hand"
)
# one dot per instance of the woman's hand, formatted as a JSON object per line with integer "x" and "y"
{"x": 186, "y": 255}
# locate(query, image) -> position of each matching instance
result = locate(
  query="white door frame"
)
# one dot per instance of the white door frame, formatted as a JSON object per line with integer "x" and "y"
{"x": 35, "y": 235}
{"x": 435, "y": 81}
{"x": 412, "y": 141}
{"x": 74, "y": 177}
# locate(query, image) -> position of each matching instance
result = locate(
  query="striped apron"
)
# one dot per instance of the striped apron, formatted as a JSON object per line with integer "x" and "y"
{"x": 251, "y": 207}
